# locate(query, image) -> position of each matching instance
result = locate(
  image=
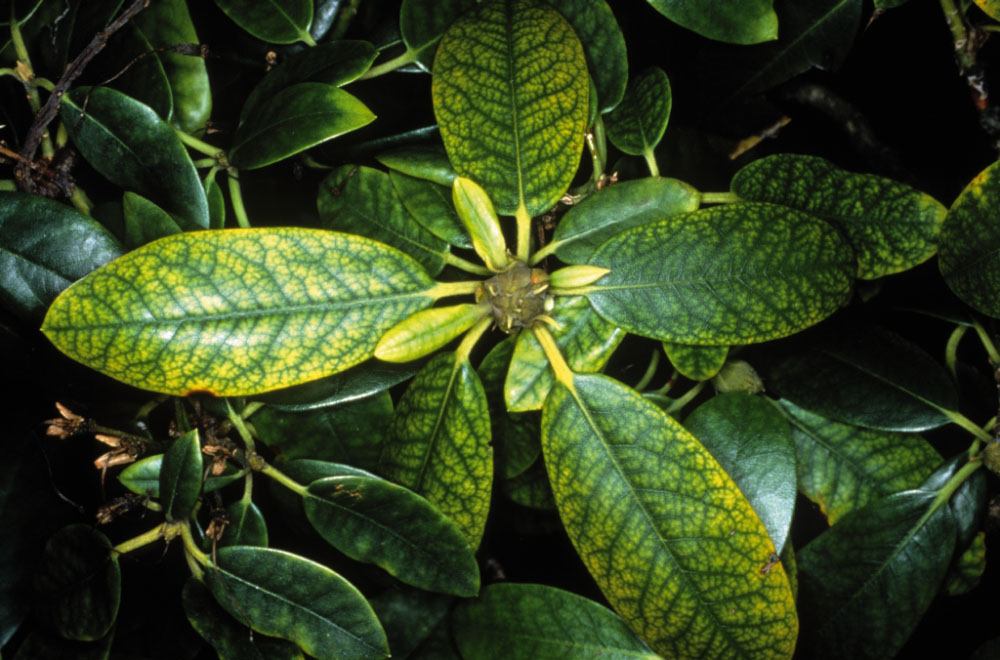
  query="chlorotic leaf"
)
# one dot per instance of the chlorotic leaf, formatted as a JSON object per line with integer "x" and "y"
{"x": 696, "y": 362}
{"x": 512, "y": 620}
{"x": 675, "y": 547}
{"x": 293, "y": 120}
{"x": 375, "y": 521}
{"x": 475, "y": 210}
{"x": 276, "y": 21}
{"x": 44, "y": 247}
{"x": 510, "y": 92}
{"x": 166, "y": 317}
{"x": 733, "y": 274}
{"x": 427, "y": 331}
{"x": 843, "y": 467}
{"x": 753, "y": 443}
{"x": 133, "y": 148}
{"x": 891, "y": 226}
{"x": 970, "y": 243}
{"x": 423, "y": 22}
{"x": 637, "y": 124}
{"x": 438, "y": 443}
{"x": 145, "y": 221}
{"x": 734, "y": 21}
{"x": 991, "y": 7}
{"x": 180, "y": 476}
{"x": 283, "y": 595}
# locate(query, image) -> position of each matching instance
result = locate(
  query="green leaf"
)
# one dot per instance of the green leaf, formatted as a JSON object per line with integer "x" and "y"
{"x": 603, "y": 46}
{"x": 753, "y": 443}
{"x": 637, "y": 124}
{"x": 228, "y": 637}
{"x": 409, "y": 616}
{"x": 585, "y": 339}
{"x": 734, "y": 21}
{"x": 308, "y": 470}
{"x": 378, "y": 522}
{"x": 891, "y": 226}
{"x": 530, "y": 488}
{"x": 44, "y": 247}
{"x": 356, "y": 383}
{"x": 362, "y": 200}
{"x": 276, "y": 21}
{"x": 866, "y": 582}
{"x": 968, "y": 569}
{"x": 431, "y": 206}
{"x": 475, "y": 211}
{"x": 293, "y": 120}
{"x": 870, "y": 377}
{"x": 422, "y": 162}
{"x": 284, "y": 595}
{"x": 163, "y": 317}
{"x": 130, "y": 146}
{"x": 616, "y": 208}
{"x": 510, "y": 93}
{"x": 428, "y": 330}
{"x": 145, "y": 221}
{"x": 990, "y": 7}
{"x": 438, "y": 443}
{"x": 423, "y": 22}
{"x": 335, "y": 63}
{"x": 39, "y": 645}
{"x": 246, "y": 525}
{"x": 78, "y": 584}
{"x": 516, "y": 444}
{"x": 536, "y": 621}
{"x": 843, "y": 467}
{"x": 733, "y": 274}
{"x": 673, "y": 544}
{"x": 180, "y": 476}
{"x": 348, "y": 432}
{"x": 143, "y": 477}
{"x": 696, "y": 362}
{"x": 969, "y": 254}
{"x": 216, "y": 203}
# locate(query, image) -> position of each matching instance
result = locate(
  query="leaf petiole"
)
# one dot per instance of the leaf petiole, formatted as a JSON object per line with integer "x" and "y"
{"x": 562, "y": 371}
{"x": 281, "y": 477}
{"x": 198, "y": 145}
{"x": 236, "y": 197}
{"x": 144, "y": 539}
{"x": 951, "y": 349}
{"x": 409, "y": 57}
{"x": 988, "y": 344}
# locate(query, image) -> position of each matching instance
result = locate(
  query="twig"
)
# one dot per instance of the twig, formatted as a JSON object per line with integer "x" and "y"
{"x": 968, "y": 40}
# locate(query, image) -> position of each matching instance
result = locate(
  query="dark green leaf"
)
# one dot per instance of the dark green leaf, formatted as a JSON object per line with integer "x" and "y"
{"x": 891, "y": 226}
{"x": 516, "y": 444}
{"x": 362, "y": 200}
{"x": 735, "y": 21}
{"x": 616, "y": 208}
{"x": 277, "y": 21}
{"x": 423, "y": 162}
{"x": 409, "y": 616}
{"x": 869, "y": 377}
{"x": 970, "y": 243}
{"x": 246, "y": 525}
{"x": 78, "y": 584}
{"x": 44, "y": 247}
{"x": 696, "y": 362}
{"x": 216, "y": 203}
{"x": 510, "y": 93}
{"x": 308, "y": 470}
{"x": 536, "y": 621}
{"x": 673, "y": 544}
{"x": 438, "y": 442}
{"x": 143, "y": 477}
{"x": 968, "y": 505}
{"x": 733, "y": 274}
{"x": 129, "y": 145}
{"x": 968, "y": 568}
{"x": 287, "y": 596}
{"x": 431, "y": 206}
{"x": 356, "y": 383}
{"x": 293, "y": 120}
{"x": 752, "y": 442}
{"x": 422, "y": 22}
{"x": 637, "y": 124}
{"x": 530, "y": 488}
{"x": 145, "y": 221}
{"x": 180, "y": 476}
{"x": 843, "y": 467}
{"x": 39, "y": 645}
{"x": 378, "y": 522}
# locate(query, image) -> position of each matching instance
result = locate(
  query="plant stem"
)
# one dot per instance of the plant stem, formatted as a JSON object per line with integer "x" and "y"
{"x": 654, "y": 169}
{"x": 563, "y": 373}
{"x": 80, "y": 201}
{"x": 719, "y": 198}
{"x": 198, "y": 145}
{"x": 448, "y": 289}
{"x": 21, "y": 52}
{"x": 956, "y": 480}
{"x": 409, "y": 57}
{"x": 206, "y": 162}
{"x": 951, "y": 349}
{"x": 192, "y": 546}
{"x": 236, "y": 197}
{"x": 344, "y": 18}
{"x": 967, "y": 424}
{"x": 595, "y": 159}
{"x": 282, "y": 479}
{"x": 654, "y": 362}
{"x": 544, "y": 252}
{"x": 241, "y": 428}
{"x": 143, "y": 539}
{"x": 523, "y": 233}
{"x": 686, "y": 398}
{"x": 467, "y": 266}
{"x": 988, "y": 344}
{"x": 471, "y": 337}
{"x": 956, "y": 23}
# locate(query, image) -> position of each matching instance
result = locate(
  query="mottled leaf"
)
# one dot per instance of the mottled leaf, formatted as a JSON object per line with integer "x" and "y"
{"x": 968, "y": 568}
{"x": 734, "y": 21}
{"x": 696, "y": 362}
{"x": 44, "y": 247}
{"x": 637, "y": 124}
{"x": 673, "y": 544}
{"x": 180, "y": 476}
{"x": 733, "y": 274}
{"x": 428, "y": 330}
{"x": 276, "y": 21}
{"x": 603, "y": 46}
{"x": 991, "y": 7}
{"x": 423, "y": 22}
{"x": 163, "y": 317}
{"x": 510, "y": 93}
{"x": 145, "y": 221}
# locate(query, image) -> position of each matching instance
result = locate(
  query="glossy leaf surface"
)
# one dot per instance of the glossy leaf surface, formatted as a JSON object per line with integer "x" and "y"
{"x": 246, "y": 525}
{"x": 180, "y": 476}
{"x": 514, "y": 620}
{"x": 430, "y": 205}
{"x": 753, "y": 443}
{"x": 143, "y": 477}
{"x": 284, "y": 595}
{"x": 409, "y": 616}
{"x": 970, "y": 243}
{"x": 673, "y": 544}
{"x": 303, "y": 303}
{"x": 438, "y": 443}
{"x": 427, "y": 331}
{"x": 428, "y": 162}
{"x": 133, "y": 148}
{"x": 423, "y": 22}
{"x": 44, "y": 247}
{"x": 696, "y": 362}
{"x": 78, "y": 584}
{"x": 475, "y": 210}
{"x": 734, "y": 274}
{"x": 276, "y": 21}
{"x": 616, "y": 208}
{"x": 637, "y": 124}
{"x": 293, "y": 120}
{"x": 510, "y": 93}
{"x": 378, "y": 522}
{"x": 891, "y": 226}
{"x": 145, "y": 221}
{"x": 843, "y": 467}
{"x": 968, "y": 568}
{"x": 362, "y": 200}
{"x": 356, "y": 383}
{"x": 735, "y": 21}
{"x": 869, "y": 377}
